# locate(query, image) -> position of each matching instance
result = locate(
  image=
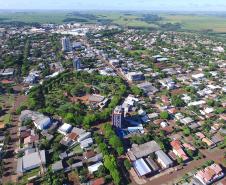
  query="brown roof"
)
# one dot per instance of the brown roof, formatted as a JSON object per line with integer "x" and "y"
{"x": 172, "y": 110}
{"x": 72, "y": 136}
{"x": 178, "y": 91}
{"x": 99, "y": 181}
{"x": 7, "y": 81}
{"x": 89, "y": 154}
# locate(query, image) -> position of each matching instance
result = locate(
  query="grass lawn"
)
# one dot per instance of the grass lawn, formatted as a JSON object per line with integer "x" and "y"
{"x": 34, "y": 172}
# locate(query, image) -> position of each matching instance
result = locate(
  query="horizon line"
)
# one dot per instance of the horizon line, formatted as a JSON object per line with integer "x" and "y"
{"x": 122, "y": 10}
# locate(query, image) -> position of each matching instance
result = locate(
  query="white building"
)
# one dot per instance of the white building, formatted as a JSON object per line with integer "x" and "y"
{"x": 66, "y": 44}
{"x": 93, "y": 168}
{"x": 84, "y": 136}
{"x": 135, "y": 76}
{"x": 163, "y": 159}
{"x": 65, "y": 129}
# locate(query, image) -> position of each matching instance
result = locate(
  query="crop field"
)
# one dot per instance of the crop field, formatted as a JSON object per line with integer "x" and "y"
{"x": 30, "y": 17}
{"x": 193, "y": 22}
{"x": 126, "y": 19}
{"x": 198, "y": 22}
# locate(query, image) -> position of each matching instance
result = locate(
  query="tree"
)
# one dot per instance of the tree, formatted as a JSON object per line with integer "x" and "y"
{"x": 103, "y": 148}
{"x": 116, "y": 143}
{"x": 180, "y": 160}
{"x": 88, "y": 119}
{"x": 21, "y": 108}
{"x": 127, "y": 164}
{"x": 190, "y": 153}
{"x": 78, "y": 90}
{"x": 136, "y": 90}
{"x": 101, "y": 171}
{"x": 69, "y": 117}
{"x": 210, "y": 102}
{"x": 27, "y": 122}
{"x": 177, "y": 101}
{"x": 164, "y": 115}
{"x": 111, "y": 165}
{"x": 120, "y": 150}
{"x": 186, "y": 130}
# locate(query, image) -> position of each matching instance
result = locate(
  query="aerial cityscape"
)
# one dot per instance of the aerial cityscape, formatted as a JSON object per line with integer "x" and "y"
{"x": 112, "y": 92}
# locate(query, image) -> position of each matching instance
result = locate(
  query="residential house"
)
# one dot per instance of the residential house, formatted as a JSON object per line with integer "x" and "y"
{"x": 163, "y": 159}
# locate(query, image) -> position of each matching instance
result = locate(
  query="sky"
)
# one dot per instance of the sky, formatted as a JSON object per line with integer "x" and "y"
{"x": 167, "y": 5}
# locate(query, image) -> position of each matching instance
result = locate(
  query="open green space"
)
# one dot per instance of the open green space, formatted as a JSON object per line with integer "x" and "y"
{"x": 67, "y": 96}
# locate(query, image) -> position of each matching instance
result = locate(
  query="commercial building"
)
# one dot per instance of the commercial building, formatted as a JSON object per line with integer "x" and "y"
{"x": 135, "y": 76}
{"x": 143, "y": 150}
{"x": 31, "y": 161}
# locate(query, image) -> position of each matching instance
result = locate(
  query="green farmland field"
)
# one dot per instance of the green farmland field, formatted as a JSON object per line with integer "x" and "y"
{"x": 193, "y": 22}
{"x": 198, "y": 22}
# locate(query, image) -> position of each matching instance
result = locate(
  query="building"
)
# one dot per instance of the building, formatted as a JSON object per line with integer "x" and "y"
{"x": 77, "y": 63}
{"x": 93, "y": 168}
{"x": 209, "y": 174}
{"x": 66, "y": 44}
{"x": 118, "y": 117}
{"x": 57, "y": 166}
{"x": 178, "y": 150}
{"x": 84, "y": 136}
{"x": 135, "y": 76}
{"x": 148, "y": 88}
{"x": 31, "y": 161}
{"x": 141, "y": 167}
{"x": 65, "y": 129}
{"x": 114, "y": 62}
{"x": 7, "y": 72}
{"x": 163, "y": 159}
{"x": 40, "y": 121}
{"x": 86, "y": 143}
{"x": 152, "y": 164}
{"x": 143, "y": 150}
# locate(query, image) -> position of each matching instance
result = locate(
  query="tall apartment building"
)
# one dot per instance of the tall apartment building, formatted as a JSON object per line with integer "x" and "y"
{"x": 118, "y": 117}
{"x": 66, "y": 44}
{"x": 77, "y": 63}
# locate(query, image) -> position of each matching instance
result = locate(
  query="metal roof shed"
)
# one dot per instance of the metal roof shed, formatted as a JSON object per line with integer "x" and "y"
{"x": 141, "y": 167}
